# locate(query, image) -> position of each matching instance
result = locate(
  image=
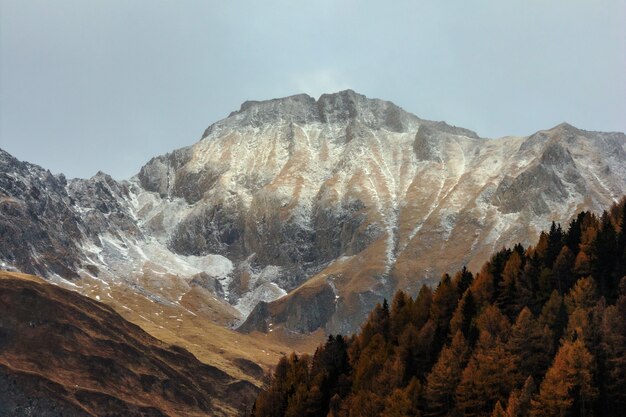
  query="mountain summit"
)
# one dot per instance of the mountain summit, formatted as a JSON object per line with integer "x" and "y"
{"x": 301, "y": 214}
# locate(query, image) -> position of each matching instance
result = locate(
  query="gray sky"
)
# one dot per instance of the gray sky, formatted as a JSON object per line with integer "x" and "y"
{"x": 106, "y": 85}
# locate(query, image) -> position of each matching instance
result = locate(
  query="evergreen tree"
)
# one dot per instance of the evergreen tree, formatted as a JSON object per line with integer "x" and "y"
{"x": 489, "y": 377}
{"x": 443, "y": 305}
{"x": 498, "y": 411}
{"x": 463, "y": 318}
{"x": 463, "y": 279}
{"x": 620, "y": 250}
{"x": 530, "y": 344}
{"x": 511, "y": 277}
{"x": 555, "y": 242}
{"x": 584, "y": 295}
{"x": 415, "y": 350}
{"x": 568, "y": 385}
{"x": 520, "y": 399}
{"x": 562, "y": 270}
{"x": 422, "y": 307}
{"x": 371, "y": 364}
{"x": 445, "y": 376}
{"x": 377, "y": 324}
{"x": 401, "y": 311}
{"x": 492, "y": 321}
{"x": 572, "y": 237}
{"x": 403, "y": 402}
{"x": 604, "y": 254}
{"x": 613, "y": 345}
{"x": 554, "y": 316}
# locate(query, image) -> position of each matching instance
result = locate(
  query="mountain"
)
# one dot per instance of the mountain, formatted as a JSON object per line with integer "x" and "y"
{"x": 64, "y": 354}
{"x": 296, "y": 214}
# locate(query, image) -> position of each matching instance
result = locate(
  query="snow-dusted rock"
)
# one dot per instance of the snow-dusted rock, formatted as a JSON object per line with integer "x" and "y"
{"x": 342, "y": 195}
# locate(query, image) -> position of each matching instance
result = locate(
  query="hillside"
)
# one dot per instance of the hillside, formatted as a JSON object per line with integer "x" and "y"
{"x": 63, "y": 354}
{"x": 538, "y": 331}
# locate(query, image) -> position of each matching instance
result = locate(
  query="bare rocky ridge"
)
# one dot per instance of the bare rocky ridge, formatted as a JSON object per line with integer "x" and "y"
{"x": 330, "y": 204}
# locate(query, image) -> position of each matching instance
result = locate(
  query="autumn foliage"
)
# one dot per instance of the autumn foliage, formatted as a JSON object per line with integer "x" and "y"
{"x": 539, "y": 331}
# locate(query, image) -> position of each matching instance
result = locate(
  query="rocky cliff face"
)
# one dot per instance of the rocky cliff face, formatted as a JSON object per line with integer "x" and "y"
{"x": 39, "y": 229}
{"x": 335, "y": 203}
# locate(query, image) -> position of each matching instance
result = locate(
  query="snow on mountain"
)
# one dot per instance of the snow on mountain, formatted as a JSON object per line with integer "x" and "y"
{"x": 330, "y": 204}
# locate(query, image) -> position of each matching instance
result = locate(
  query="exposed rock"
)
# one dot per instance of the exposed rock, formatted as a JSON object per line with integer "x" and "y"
{"x": 425, "y": 145}
{"x": 308, "y": 309}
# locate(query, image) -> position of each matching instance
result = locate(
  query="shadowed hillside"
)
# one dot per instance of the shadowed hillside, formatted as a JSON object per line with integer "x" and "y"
{"x": 63, "y": 354}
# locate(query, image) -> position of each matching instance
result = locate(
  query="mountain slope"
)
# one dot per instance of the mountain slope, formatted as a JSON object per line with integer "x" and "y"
{"x": 332, "y": 203}
{"x": 64, "y": 354}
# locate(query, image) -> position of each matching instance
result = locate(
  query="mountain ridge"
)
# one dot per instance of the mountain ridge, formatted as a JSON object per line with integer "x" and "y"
{"x": 343, "y": 198}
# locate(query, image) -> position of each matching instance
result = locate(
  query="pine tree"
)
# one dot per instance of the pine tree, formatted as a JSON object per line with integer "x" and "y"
{"x": 613, "y": 345}
{"x": 401, "y": 311}
{"x": 366, "y": 404}
{"x": 445, "y": 376}
{"x": 492, "y": 321}
{"x": 585, "y": 257}
{"x": 498, "y": 411}
{"x": 422, "y": 306}
{"x": 530, "y": 344}
{"x": 511, "y": 277}
{"x": 554, "y": 316}
{"x": 520, "y": 399}
{"x": 329, "y": 364}
{"x": 496, "y": 267}
{"x": 562, "y": 270}
{"x": 463, "y": 279}
{"x": 604, "y": 250}
{"x": 483, "y": 287}
{"x": 489, "y": 377}
{"x": 555, "y": 242}
{"x": 568, "y": 386}
{"x": 414, "y": 351}
{"x": 584, "y": 295}
{"x": 377, "y": 324}
{"x": 463, "y": 318}
{"x": 371, "y": 364}
{"x": 620, "y": 250}
{"x": 528, "y": 294}
{"x": 403, "y": 402}
{"x": 572, "y": 237}
{"x": 443, "y": 305}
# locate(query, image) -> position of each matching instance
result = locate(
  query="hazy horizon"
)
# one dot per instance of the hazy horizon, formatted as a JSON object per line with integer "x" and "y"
{"x": 89, "y": 86}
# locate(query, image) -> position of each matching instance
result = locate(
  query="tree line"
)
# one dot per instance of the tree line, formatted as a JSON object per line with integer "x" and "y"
{"x": 538, "y": 331}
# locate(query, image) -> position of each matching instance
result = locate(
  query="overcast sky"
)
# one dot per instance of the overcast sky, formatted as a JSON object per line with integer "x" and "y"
{"x": 106, "y": 85}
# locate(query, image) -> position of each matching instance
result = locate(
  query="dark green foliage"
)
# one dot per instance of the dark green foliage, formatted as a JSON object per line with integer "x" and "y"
{"x": 540, "y": 331}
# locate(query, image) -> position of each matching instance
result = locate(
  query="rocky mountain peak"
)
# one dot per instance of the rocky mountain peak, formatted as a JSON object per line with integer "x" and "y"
{"x": 336, "y": 201}
{"x": 343, "y": 108}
